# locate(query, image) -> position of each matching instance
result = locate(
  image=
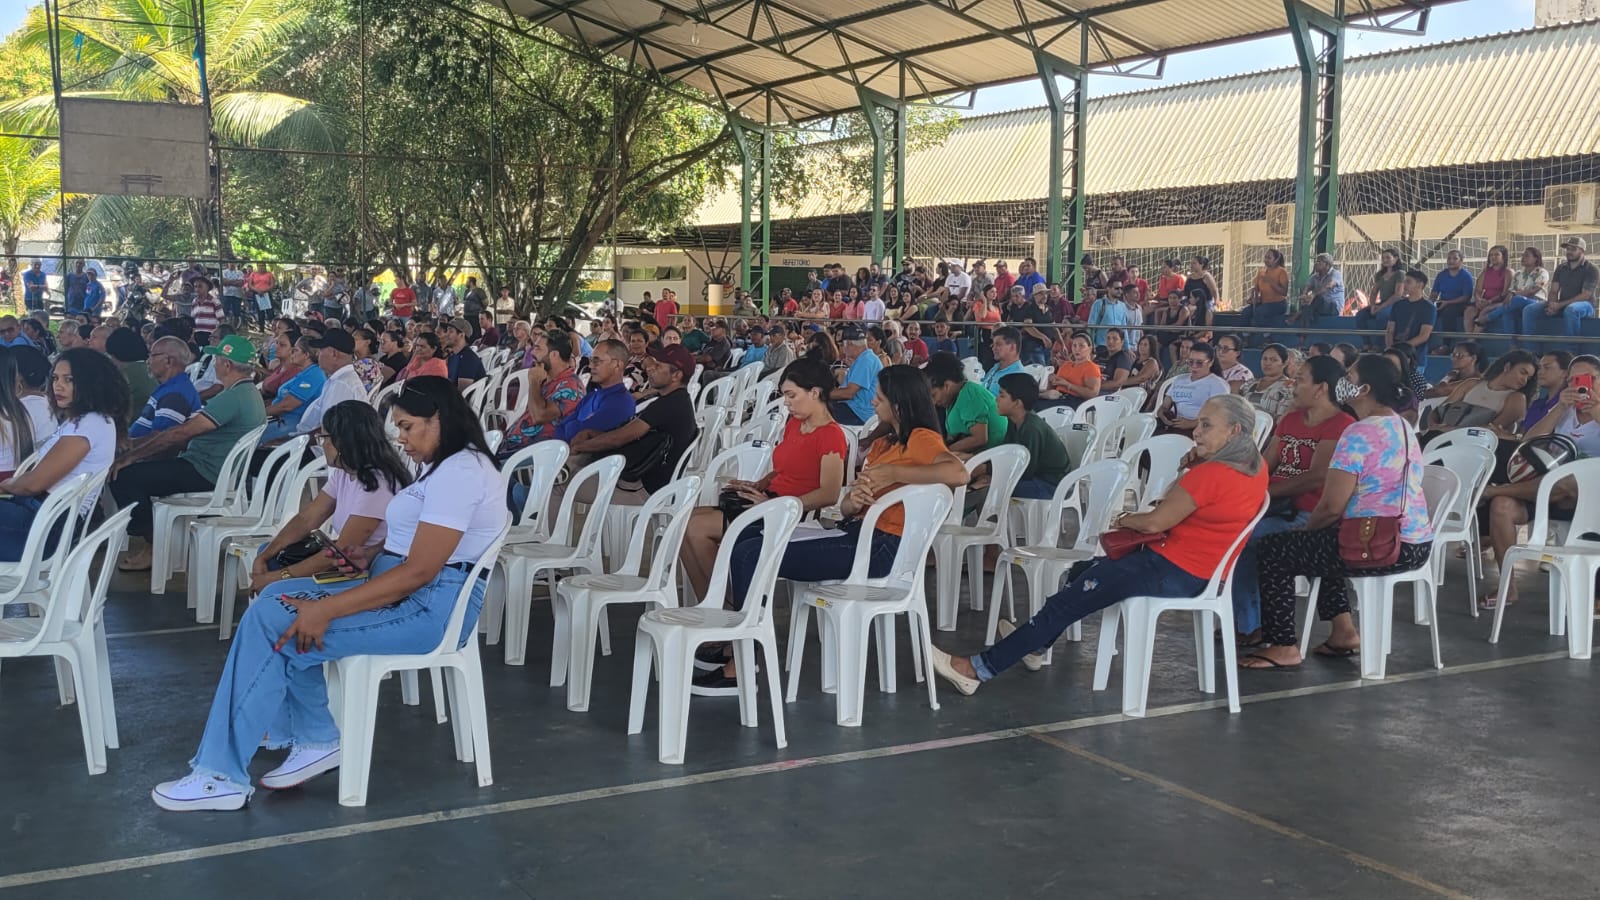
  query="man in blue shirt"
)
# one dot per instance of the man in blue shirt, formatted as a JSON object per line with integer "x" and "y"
{"x": 757, "y": 351}
{"x": 175, "y": 398}
{"x": 34, "y": 286}
{"x": 74, "y": 283}
{"x": 1028, "y": 277}
{"x": 11, "y": 333}
{"x": 1452, "y": 291}
{"x": 94, "y": 295}
{"x": 608, "y": 405}
{"x": 1007, "y": 347}
{"x": 852, "y": 401}
{"x": 463, "y": 365}
{"x": 1414, "y": 317}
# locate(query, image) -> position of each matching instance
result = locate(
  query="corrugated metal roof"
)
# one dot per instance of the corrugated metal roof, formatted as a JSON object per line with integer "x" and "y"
{"x": 791, "y": 60}
{"x": 1422, "y": 107}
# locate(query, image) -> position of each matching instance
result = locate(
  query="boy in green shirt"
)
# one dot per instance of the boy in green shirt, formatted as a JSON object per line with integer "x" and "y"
{"x": 1047, "y": 456}
{"x": 972, "y": 424}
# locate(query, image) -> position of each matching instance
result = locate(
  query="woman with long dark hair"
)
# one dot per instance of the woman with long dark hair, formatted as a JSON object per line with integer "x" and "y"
{"x": 427, "y": 358}
{"x": 364, "y": 472}
{"x": 89, "y": 397}
{"x": 1375, "y": 471}
{"x": 25, "y": 417}
{"x": 436, "y": 528}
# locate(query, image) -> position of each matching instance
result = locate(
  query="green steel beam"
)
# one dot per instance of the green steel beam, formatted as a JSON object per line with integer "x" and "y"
{"x": 886, "y": 117}
{"x": 1319, "y": 44}
{"x": 1068, "y": 132}
{"x": 755, "y": 206}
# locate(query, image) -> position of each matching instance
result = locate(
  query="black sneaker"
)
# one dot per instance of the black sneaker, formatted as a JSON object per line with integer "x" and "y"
{"x": 715, "y": 683}
{"x": 712, "y": 656}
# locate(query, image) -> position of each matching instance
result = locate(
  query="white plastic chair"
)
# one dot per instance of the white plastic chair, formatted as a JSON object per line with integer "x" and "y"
{"x": 354, "y": 680}
{"x": 1079, "y": 439}
{"x": 30, "y": 579}
{"x": 1473, "y": 465}
{"x": 1100, "y": 410}
{"x": 167, "y": 513}
{"x": 1095, "y": 491}
{"x": 1059, "y": 417}
{"x": 972, "y": 368}
{"x": 259, "y": 517}
{"x": 568, "y": 548}
{"x": 1041, "y": 374}
{"x": 1473, "y": 436}
{"x": 508, "y": 413}
{"x": 1374, "y": 594}
{"x": 1135, "y": 397}
{"x": 1141, "y": 614}
{"x": 1571, "y": 561}
{"x": 1166, "y": 453}
{"x": 957, "y": 544}
{"x": 477, "y": 394}
{"x": 586, "y": 596}
{"x": 71, "y": 628}
{"x": 1262, "y": 430}
{"x": 745, "y": 462}
{"x": 1424, "y": 408}
{"x": 667, "y": 638}
{"x": 848, "y": 609}
{"x": 1115, "y": 437}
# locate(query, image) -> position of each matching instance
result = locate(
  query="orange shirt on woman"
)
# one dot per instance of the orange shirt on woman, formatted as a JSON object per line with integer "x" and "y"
{"x": 1272, "y": 283}
{"x": 1225, "y": 500}
{"x": 1078, "y": 373}
{"x": 924, "y": 446}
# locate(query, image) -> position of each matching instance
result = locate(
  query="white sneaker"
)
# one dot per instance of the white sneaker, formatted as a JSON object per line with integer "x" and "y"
{"x": 941, "y": 664}
{"x": 1034, "y": 661}
{"x": 301, "y": 766}
{"x": 195, "y": 792}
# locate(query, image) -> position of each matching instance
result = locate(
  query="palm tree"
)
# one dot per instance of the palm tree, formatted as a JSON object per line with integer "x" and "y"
{"x": 30, "y": 187}
{"x": 138, "y": 50}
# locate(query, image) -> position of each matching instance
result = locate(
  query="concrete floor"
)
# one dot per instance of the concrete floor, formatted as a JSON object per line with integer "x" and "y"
{"x": 1471, "y": 782}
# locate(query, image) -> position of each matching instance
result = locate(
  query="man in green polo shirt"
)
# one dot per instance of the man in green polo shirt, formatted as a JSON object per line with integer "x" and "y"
{"x": 188, "y": 457}
{"x": 972, "y": 423}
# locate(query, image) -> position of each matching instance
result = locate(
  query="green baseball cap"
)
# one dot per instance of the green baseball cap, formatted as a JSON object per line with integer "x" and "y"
{"x": 235, "y": 348}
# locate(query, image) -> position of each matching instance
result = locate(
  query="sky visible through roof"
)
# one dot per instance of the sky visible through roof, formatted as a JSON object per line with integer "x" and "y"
{"x": 1453, "y": 21}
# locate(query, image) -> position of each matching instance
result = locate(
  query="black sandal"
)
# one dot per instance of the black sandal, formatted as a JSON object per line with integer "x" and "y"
{"x": 1270, "y": 663}
{"x": 1327, "y": 649}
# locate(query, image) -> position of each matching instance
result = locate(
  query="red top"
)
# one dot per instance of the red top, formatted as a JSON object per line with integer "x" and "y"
{"x": 1492, "y": 283}
{"x": 918, "y": 350}
{"x": 1225, "y": 501}
{"x": 1003, "y": 283}
{"x": 797, "y": 460}
{"x": 1294, "y": 445}
{"x": 666, "y": 311}
{"x": 404, "y": 300}
{"x": 1166, "y": 284}
{"x": 261, "y": 282}
{"x": 790, "y": 306}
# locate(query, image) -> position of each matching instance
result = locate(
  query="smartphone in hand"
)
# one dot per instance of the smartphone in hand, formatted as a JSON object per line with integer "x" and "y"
{"x": 346, "y": 564}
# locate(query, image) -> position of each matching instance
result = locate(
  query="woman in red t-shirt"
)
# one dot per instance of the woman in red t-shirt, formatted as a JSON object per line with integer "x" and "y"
{"x": 1301, "y": 446}
{"x": 807, "y": 464}
{"x": 1202, "y": 515}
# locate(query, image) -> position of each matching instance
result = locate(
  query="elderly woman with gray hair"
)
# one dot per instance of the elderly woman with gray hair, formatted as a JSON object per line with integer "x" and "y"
{"x": 1201, "y": 516}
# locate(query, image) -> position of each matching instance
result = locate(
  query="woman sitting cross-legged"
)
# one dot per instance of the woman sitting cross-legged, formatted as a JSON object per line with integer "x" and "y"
{"x": 911, "y": 453}
{"x": 1376, "y": 471}
{"x": 807, "y": 464}
{"x": 272, "y": 684}
{"x": 1202, "y": 515}
{"x": 364, "y": 472}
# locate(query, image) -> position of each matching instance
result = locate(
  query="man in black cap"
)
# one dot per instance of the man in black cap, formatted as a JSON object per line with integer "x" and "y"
{"x": 464, "y": 365}
{"x": 336, "y": 357}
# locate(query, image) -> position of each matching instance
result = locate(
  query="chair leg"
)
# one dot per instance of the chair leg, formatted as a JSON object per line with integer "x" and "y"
{"x": 922, "y": 638}
{"x": 108, "y": 706}
{"x": 853, "y": 630}
{"x": 1230, "y": 659}
{"x": 356, "y": 726}
{"x": 1110, "y": 618}
{"x": 1506, "y": 575}
{"x": 94, "y": 750}
{"x": 492, "y": 619}
{"x": 66, "y": 686}
{"x": 1369, "y": 600}
{"x": 1311, "y": 617}
{"x": 1205, "y": 651}
{"x": 886, "y": 658}
{"x": 947, "y": 581}
{"x": 1429, "y": 590}
{"x": 441, "y": 711}
{"x": 410, "y": 688}
{"x": 458, "y": 724}
{"x": 676, "y": 670}
{"x": 644, "y": 654}
{"x": 1577, "y": 578}
{"x": 159, "y": 551}
{"x": 604, "y": 627}
{"x": 749, "y": 698}
{"x": 228, "y": 595}
{"x": 828, "y": 649}
{"x": 476, "y": 710}
{"x": 560, "y": 641}
{"x": 580, "y": 647}
{"x": 974, "y": 557}
{"x": 1138, "y": 650}
{"x": 769, "y": 651}
{"x": 799, "y": 615}
{"x": 1001, "y": 588}
{"x": 203, "y": 583}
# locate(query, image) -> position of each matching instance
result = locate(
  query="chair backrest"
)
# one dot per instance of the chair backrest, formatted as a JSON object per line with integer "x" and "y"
{"x": 698, "y": 455}
{"x": 1262, "y": 430}
{"x": 777, "y": 518}
{"x": 283, "y": 459}
{"x": 475, "y": 394}
{"x": 493, "y": 437}
{"x": 1078, "y": 438}
{"x": 1058, "y": 417}
{"x": 1473, "y": 465}
{"x": 719, "y": 392}
{"x": 767, "y": 426}
{"x": 746, "y": 462}
{"x": 287, "y": 491}
{"x": 1220, "y": 587}
{"x": 481, "y": 568}
{"x": 1041, "y": 374}
{"x": 57, "y": 512}
{"x": 1098, "y": 410}
{"x": 603, "y": 472}
{"x": 383, "y": 392}
{"x": 1585, "y": 515}
{"x": 229, "y": 491}
{"x": 972, "y": 368}
{"x": 79, "y": 594}
{"x": 1006, "y": 462}
{"x": 1095, "y": 492}
{"x": 1166, "y": 452}
{"x": 1115, "y": 437}
{"x": 1134, "y": 396}
{"x": 545, "y": 459}
{"x": 1440, "y": 487}
{"x": 676, "y": 503}
{"x": 1473, "y": 436}
{"x": 1161, "y": 393}
{"x": 926, "y": 505}
{"x": 1424, "y": 408}
{"x": 514, "y": 410}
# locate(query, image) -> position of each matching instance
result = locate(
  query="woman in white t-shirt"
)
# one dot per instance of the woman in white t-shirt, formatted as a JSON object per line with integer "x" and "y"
{"x": 1185, "y": 395}
{"x": 364, "y": 473}
{"x": 437, "y": 527}
{"x": 89, "y": 397}
{"x": 25, "y": 417}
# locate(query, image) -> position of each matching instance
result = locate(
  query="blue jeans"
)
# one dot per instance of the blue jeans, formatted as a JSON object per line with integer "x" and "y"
{"x": 16, "y": 520}
{"x": 1367, "y": 320}
{"x": 1037, "y": 355}
{"x": 844, "y": 415}
{"x": 1269, "y": 315}
{"x": 1034, "y": 489}
{"x": 282, "y": 693}
{"x": 824, "y": 559}
{"x": 1246, "y": 582}
{"x": 1573, "y": 314}
{"x": 280, "y": 429}
{"x": 1143, "y": 573}
{"x": 1505, "y": 318}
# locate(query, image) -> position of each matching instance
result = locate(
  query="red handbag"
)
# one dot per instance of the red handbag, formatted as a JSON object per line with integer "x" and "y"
{"x": 1119, "y": 542}
{"x": 1374, "y": 542}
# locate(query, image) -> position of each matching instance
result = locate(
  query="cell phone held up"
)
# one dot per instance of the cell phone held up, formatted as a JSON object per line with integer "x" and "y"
{"x": 347, "y": 565}
{"x": 1583, "y": 384}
